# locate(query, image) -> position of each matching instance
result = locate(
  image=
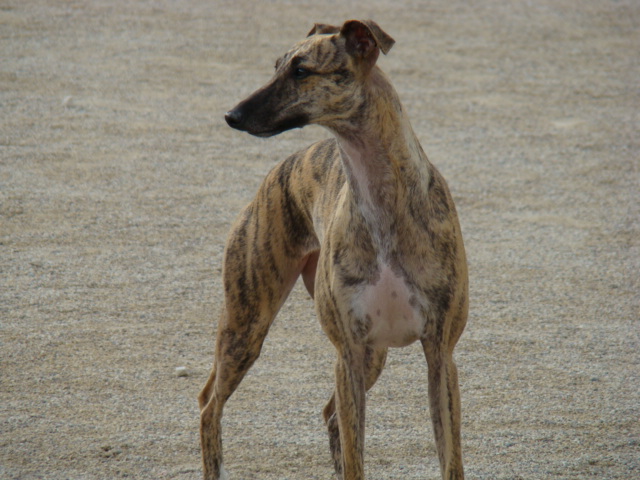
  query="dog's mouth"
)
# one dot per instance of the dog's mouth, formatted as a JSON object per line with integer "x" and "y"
{"x": 236, "y": 120}
{"x": 265, "y": 134}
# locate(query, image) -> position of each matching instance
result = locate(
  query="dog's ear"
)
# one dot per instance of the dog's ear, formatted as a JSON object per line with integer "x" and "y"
{"x": 321, "y": 29}
{"x": 366, "y": 38}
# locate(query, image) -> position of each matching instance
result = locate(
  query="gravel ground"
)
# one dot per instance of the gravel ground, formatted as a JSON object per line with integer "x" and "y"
{"x": 119, "y": 179}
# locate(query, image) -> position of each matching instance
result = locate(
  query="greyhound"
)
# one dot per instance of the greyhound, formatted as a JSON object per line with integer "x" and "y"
{"x": 367, "y": 222}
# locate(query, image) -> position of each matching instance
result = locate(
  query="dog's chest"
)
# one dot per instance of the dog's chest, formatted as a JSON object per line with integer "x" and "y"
{"x": 388, "y": 311}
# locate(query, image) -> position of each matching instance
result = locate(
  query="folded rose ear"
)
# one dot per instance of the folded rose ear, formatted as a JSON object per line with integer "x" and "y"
{"x": 366, "y": 38}
{"x": 321, "y": 28}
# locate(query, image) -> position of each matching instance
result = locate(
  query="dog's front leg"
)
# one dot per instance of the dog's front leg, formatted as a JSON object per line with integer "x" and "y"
{"x": 374, "y": 363}
{"x": 444, "y": 402}
{"x": 350, "y": 410}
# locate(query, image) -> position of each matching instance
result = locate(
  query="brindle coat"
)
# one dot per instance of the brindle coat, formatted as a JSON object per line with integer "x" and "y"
{"x": 369, "y": 224}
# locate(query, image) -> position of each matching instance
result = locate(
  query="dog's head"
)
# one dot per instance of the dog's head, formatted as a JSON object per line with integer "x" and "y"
{"x": 319, "y": 81}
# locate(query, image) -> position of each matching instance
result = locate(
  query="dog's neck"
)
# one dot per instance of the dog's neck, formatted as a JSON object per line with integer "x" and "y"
{"x": 382, "y": 157}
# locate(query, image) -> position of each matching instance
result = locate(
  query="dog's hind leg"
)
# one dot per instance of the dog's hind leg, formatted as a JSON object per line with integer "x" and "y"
{"x": 262, "y": 263}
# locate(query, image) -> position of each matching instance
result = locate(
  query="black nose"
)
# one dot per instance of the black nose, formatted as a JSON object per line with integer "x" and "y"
{"x": 234, "y": 118}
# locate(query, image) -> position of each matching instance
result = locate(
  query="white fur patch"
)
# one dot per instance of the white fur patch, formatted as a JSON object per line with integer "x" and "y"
{"x": 223, "y": 473}
{"x": 395, "y": 319}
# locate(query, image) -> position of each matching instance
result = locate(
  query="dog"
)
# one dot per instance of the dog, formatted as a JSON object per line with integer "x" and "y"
{"x": 367, "y": 222}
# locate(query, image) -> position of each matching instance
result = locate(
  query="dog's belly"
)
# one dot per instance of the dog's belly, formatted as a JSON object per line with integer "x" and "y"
{"x": 389, "y": 311}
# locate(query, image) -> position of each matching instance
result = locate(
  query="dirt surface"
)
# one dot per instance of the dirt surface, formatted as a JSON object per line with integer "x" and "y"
{"x": 119, "y": 179}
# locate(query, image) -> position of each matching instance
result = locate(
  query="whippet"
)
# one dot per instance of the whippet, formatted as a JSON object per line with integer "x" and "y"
{"x": 369, "y": 224}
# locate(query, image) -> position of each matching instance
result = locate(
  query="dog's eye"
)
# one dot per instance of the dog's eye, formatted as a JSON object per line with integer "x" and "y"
{"x": 300, "y": 73}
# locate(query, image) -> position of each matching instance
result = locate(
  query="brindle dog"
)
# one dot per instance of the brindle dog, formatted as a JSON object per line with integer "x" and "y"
{"x": 369, "y": 224}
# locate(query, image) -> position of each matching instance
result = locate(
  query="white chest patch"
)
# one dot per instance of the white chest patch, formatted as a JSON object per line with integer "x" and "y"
{"x": 391, "y": 311}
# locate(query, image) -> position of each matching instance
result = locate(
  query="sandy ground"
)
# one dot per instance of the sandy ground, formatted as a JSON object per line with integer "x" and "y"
{"x": 119, "y": 179}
